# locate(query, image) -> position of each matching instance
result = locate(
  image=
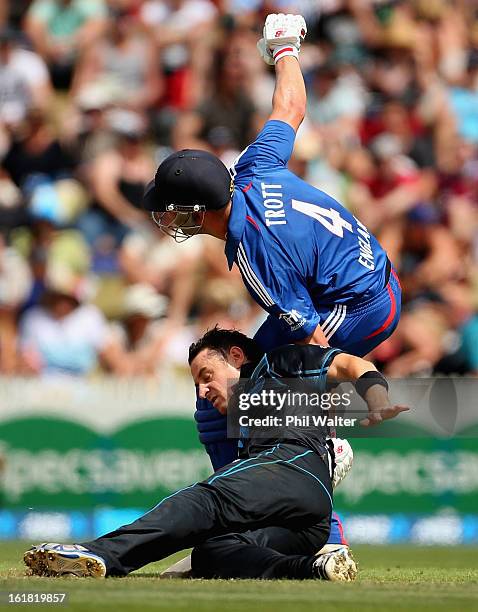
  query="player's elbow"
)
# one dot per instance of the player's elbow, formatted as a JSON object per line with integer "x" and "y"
{"x": 299, "y": 114}
{"x": 296, "y": 109}
{"x": 290, "y": 108}
{"x": 302, "y": 105}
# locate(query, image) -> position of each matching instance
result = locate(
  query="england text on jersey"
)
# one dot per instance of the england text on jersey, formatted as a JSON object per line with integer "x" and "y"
{"x": 366, "y": 258}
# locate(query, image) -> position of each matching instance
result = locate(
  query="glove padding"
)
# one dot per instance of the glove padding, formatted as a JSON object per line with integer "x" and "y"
{"x": 282, "y": 35}
{"x": 344, "y": 458}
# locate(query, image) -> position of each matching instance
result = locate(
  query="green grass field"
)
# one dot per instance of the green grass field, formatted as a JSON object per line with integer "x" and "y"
{"x": 391, "y": 578}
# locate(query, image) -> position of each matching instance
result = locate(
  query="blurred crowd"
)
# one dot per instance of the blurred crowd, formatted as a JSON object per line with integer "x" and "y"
{"x": 95, "y": 93}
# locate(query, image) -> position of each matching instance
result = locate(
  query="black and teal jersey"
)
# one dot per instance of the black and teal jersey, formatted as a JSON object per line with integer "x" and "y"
{"x": 285, "y": 371}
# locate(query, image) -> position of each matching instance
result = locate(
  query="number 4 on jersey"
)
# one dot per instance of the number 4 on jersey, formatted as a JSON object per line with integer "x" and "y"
{"x": 329, "y": 217}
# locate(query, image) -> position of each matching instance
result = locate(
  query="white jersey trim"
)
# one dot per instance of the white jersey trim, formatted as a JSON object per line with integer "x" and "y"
{"x": 329, "y": 320}
{"x": 251, "y": 277}
{"x": 232, "y": 169}
{"x": 337, "y": 322}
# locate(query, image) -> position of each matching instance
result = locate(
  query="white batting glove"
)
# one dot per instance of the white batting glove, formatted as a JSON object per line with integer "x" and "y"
{"x": 344, "y": 458}
{"x": 282, "y": 36}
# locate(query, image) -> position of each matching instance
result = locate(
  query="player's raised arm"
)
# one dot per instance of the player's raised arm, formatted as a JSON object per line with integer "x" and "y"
{"x": 370, "y": 384}
{"x": 280, "y": 45}
{"x": 288, "y": 103}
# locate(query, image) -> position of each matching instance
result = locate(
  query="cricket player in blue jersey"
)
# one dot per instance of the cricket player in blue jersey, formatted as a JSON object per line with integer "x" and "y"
{"x": 310, "y": 263}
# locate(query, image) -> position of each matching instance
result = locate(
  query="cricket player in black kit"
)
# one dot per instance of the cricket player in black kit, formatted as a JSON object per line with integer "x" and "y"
{"x": 262, "y": 516}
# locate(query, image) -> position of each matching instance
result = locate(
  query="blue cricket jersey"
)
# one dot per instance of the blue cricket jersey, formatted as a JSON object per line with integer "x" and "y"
{"x": 296, "y": 247}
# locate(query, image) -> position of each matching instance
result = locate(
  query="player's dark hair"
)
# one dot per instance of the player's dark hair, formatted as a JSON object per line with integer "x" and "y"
{"x": 222, "y": 340}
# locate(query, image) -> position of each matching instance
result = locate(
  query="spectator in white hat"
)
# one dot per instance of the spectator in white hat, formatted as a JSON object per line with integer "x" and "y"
{"x": 64, "y": 334}
{"x": 136, "y": 343}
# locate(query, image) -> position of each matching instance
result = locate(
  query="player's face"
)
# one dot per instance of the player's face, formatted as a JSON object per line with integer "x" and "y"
{"x": 215, "y": 376}
{"x": 180, "y": 225}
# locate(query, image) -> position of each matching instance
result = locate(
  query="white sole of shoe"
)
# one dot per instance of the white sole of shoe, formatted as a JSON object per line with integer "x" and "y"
{"x": 44, "y": 562}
